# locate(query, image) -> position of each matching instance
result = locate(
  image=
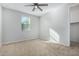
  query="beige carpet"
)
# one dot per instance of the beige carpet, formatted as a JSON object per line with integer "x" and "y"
{"x": 38, "y": 48}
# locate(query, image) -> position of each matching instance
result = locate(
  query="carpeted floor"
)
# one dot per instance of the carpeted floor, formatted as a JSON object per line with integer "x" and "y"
{"x": 38, "y": 48}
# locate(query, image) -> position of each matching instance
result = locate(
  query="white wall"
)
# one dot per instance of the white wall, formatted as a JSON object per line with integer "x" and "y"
{"x": 0, "y": 25}
{"x": 12, "y": 28}
{"x": 54, "y": 26}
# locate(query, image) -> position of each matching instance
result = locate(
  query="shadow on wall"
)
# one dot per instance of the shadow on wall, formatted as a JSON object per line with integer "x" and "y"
{"x": 54, "y": 36}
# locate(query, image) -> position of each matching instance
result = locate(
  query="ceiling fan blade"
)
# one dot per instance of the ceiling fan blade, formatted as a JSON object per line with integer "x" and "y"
{"x": 33, "y": 9}
{"x": 28, "y": 5}
{"x": 39, "y": 8}
{"x": 43, "y": 4}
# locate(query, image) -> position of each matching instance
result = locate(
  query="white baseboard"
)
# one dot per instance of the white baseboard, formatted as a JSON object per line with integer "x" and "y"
{"x": 18, "y": 41}
{"x": 57, "y": 43}
{"x": 32, "y": 39}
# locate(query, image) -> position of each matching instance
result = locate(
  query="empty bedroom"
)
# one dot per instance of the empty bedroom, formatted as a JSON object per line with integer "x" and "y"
{"x": 39, "y": 29}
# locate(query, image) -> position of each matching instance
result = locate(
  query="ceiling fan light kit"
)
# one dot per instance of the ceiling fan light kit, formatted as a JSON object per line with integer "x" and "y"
{"x": 37, "y": 5}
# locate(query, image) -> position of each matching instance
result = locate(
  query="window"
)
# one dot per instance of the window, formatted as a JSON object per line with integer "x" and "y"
{"x": 25, "y": 23}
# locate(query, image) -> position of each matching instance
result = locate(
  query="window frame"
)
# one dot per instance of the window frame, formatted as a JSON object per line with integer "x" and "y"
{"x": 28, "y": 24}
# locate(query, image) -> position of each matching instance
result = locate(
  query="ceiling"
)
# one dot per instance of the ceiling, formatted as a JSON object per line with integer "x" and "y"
{"x": 28, "y": 9}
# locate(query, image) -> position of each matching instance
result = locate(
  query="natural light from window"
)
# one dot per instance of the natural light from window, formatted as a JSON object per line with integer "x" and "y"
{"x": 25, "y": 23}
{"x": 54, "y": 36}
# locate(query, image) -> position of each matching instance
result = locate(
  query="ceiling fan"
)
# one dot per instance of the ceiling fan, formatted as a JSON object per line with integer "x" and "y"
{"x": 37, "y": 5}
